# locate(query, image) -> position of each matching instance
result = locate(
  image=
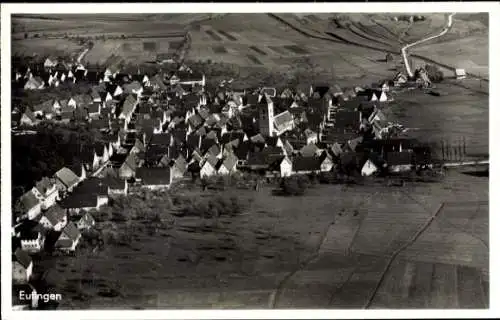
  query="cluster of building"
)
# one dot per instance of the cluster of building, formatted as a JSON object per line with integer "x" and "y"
{"x": 160, "y": 128}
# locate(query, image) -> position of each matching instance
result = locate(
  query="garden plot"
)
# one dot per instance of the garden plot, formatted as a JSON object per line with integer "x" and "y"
{"x": 149, "y": 46}
{"x": 102, "y": 50}
{"x": 258, "y": 50}
{"x": 219, "y": 49}
{"x": 213, "y": 35}
{"x": 227, "y": 35}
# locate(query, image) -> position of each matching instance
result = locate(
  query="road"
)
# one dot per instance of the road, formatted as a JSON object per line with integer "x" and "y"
{"x": 442, "y": 33}
{"x": 338, "y": 39}
{"x": 80, "y": 57}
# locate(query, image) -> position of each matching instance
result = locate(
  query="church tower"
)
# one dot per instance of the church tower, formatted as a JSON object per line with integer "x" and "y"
{"x": 266, "y": 116}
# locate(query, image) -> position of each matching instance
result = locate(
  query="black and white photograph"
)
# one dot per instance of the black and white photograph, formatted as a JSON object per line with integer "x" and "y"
{"x": 246, "y": 160}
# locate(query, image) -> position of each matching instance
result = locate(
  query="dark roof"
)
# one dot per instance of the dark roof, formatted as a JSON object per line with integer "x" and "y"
{"x": 23, "y": 258}
{"x": 55, "y": 214}
{"x": 399, "y": 158}
{"x": 71, "y": 231}
{"x": 44, "y": 185}
{"x": 67, "y": 177}
{"x": 388, "y": 145}
{"x": 160, "y": 139}
{"x": 153, "y": 176}
{"x": 306, "y": 164}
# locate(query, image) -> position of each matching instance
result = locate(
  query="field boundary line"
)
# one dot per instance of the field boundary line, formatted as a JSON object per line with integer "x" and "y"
{"x": 274, "y": 297}
{"x": 397, "y": 252}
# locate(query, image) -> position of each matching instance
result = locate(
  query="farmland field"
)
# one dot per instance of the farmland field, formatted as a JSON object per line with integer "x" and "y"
{"x": 259, "y": 51}
{"x": 332, "y": 257}
{"x": 219, "y": 49}
{"x": 338, "y": 246}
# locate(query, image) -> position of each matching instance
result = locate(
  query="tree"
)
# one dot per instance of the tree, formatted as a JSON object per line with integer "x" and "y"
{"x": 434, "y": 73}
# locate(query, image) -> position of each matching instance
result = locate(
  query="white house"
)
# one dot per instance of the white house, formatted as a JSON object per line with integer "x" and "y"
{"x": 47, "y": 192}
{"x": 285, "y": 167}
{"x": 369, "y": 168}
{"x": 460, "y": 74}
{"x": 54, "y": 219}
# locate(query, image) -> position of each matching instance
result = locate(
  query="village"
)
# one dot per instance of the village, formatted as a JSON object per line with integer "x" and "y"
{"x": 166, "y": 127}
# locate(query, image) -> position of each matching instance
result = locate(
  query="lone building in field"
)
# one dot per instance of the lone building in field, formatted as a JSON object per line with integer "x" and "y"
{"x": 460, "y": 74}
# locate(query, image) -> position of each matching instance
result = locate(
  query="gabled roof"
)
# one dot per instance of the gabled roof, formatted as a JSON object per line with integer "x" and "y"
{"x": 195, "y": 121}
{"x": 309, "y": 150}
{"x": 87, "y": 219}
{"x": 282, "y": 120}
{"x": 82, "y": 99}
{"x": 128, "y": 106}
{"x": 229, "y": 161}
{"x": 45, "y": 107}
{"x": 131, "y": 87}
{"x": 71, "y": 231}
{"x": 44, "y": 185}
{"x": 55, "y": 214}
{"x": 399, "y": 158}
{"x": 153, "y": 176}
{"x": 160, "y": 139}
{"x": 306, "y": 164}
{"x": 23, "y": 258}
{"x": 67, "y": 177}
{"x": 212, "y": 160}
{"x": 28, "y": 201}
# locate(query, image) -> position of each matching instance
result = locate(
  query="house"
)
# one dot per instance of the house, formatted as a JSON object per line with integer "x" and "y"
{"x": 28, "y": 206}
{"x": 304, "y": 165}
{"x": 460, "y": 74}
{"x": 22, "y": 267}
{"x": 189, "y": 78}
{"x": 154, "y": 178}
{"x": 54, "y": 219}
{"x": 81, "y": 100}
{"x": 69, "y": 238}
{"x": 310, "y": 136}
{"x": 31, "y": 238}
{"x": 372, "y": 165}
{"x": 28, "y": 118}
{"x": 400, "y": 79}
{"x": 116, "y": 186}
{"x": 92, "y": 194}
{"x": 380, "y": 96}
{"x": 398, "y": 162}
{"x": 309, "y": 150}
{"x": 162, "y": 58}
{"x": 281, "y": 164}
{"x": 283, "y": 122}
{"x": 34, "y": 83}
{"x": 178, "y": 167}
{"x": 128, "y": 168}
{"x": 46, "y": 191}
{"x": 44, "y": 109}
{"x": 209, "y": 166}
{"x": 134, "y": 87}
{"x": 85, "y": 222}
{"x": 269, "y": 91}
{"x": 66, "y": 180}
{"x": 128, "y": 108}
{"x": 94, "y": 110}
{"x": 50, "y": 63}
{"x": 227, "y": 165}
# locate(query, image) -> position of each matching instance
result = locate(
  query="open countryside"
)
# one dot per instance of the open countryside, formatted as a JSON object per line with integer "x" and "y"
{"x": 250, "y": 161}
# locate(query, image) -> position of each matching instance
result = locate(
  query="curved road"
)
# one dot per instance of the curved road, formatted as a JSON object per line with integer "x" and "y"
{"x": 442, "y": 33}
{"x": 338, "y": 39}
